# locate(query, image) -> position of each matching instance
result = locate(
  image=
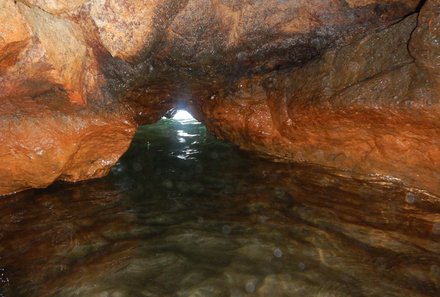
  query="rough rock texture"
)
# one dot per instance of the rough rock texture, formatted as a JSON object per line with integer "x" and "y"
{"x": 325, "y": 82}
{"x": 55, "y": 6}
{"x": 44, "y": 142}
{"x": 14, "y": 34}
{"x": 425, "y": 48}
{"x": 53, "y": 54}
{"x": 354, "y": 108}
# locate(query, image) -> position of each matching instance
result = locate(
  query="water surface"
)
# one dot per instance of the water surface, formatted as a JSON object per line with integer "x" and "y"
{"x": 183, "y": 214}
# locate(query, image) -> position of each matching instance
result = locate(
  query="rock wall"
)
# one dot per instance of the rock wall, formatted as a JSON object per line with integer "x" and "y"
{"x": 324, "y": 82}
{"x": 358, "y": 108}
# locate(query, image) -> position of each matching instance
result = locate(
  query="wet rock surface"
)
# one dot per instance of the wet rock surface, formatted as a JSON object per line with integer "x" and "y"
{"x": 183, "y": 215}
{"x": 354, "y": 108}
{"x": 45, "y": 142}
{"x": 324, "y": 82}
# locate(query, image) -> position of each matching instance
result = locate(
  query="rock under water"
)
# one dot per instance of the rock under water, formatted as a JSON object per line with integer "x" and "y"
{"x": 352, "y": 85}
{"x": 183, "y": 214}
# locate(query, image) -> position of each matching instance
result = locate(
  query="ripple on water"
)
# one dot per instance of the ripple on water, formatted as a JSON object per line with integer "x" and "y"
{"x": 218, "y": 222}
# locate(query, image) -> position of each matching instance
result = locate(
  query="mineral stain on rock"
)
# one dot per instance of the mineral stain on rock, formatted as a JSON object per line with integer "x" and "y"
{"x": 325, "y": 82}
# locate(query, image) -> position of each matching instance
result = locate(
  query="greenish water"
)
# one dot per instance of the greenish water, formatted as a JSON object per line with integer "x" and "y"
{"x": 183, "y": 214}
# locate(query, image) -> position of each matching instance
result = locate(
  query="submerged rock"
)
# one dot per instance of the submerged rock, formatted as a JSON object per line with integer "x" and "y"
{"x": 324, "y": 82}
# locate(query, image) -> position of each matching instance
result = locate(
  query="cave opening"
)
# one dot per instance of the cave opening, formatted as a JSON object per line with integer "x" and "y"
{"x": 183, "y": 115}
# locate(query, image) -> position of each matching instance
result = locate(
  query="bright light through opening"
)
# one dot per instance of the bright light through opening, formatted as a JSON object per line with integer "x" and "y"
{"x": 183, "y": 116}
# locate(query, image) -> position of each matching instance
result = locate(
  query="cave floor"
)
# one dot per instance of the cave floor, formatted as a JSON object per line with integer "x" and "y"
{"x": 184, "y": 214}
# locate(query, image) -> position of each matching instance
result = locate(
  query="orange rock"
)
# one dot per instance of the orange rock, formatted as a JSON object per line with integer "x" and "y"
{"x": 351, "y": 109}
{"x": 64, "y": 49}
{"x": 42, "y": 143}
{"x": 14, "y": 34}
{"x": 326, "y": 82}
{"x": 55, "y": 6}
{"x": 53, "y": 54}
{"x": 127, "y": 29}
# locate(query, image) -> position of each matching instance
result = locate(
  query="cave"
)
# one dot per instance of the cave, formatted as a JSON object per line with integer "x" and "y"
{"x": 219, "y": 148}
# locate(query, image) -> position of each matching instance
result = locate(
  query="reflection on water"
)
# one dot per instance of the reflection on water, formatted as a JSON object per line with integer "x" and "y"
{"x": 185, "y": 215}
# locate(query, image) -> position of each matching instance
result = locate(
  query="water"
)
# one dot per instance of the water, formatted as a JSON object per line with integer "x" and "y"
{"x": 183, "y": 214}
